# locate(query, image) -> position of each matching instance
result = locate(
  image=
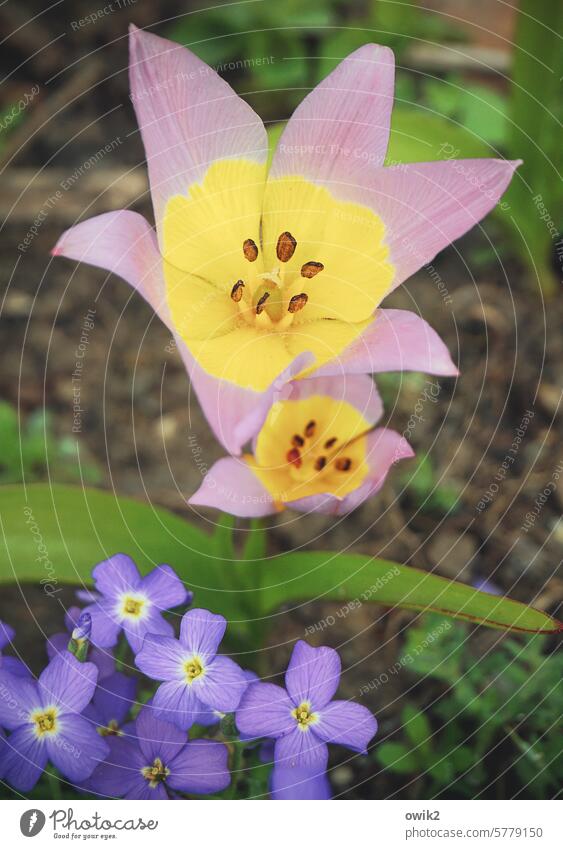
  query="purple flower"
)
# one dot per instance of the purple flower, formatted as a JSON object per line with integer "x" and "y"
{"x": 111, "y": 705}
{"x": 58, "y": 644}
{"x": 302, "y": 719}
{"x": 299, "y": 783}
{"x": 10, "y": 664}
{"x": 159, "y": 762}
{"x": 133, "y": 603}
{"x": 197, "y": 679}
{"x": 44, "y": 718}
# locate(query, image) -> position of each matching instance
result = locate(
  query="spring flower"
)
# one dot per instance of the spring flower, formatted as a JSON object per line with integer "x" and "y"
{"x": 111, "y": 705}
{"x": 158, "y": 762}
{"x": 131, "y": 603}
{"x": 264, "y": 276}
{"x": 196, "y": 679}
{"x": 101, "y": 658}
{"x": 302, "y": 718}
{"x": 10, "y": 664}
{"x": 44, "y": 718}
{"x": 316, "y": 450}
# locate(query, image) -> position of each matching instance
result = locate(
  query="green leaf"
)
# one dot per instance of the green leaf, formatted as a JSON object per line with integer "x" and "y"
{"x": 325, "y": 575}
{"x": 397, "y": 758}
{"x": 55, "y": 534}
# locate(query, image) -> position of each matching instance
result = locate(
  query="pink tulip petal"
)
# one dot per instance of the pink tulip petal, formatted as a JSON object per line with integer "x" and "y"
{"x": 124, "y": 243}
{"x": 341, "y": 129}
{"x": 397, "y": 340}
{"x": 231, "y": 486}
{"x": 188, "y": 116}
{"x": 427, "y": 205}
{"x": 385, "y": 447}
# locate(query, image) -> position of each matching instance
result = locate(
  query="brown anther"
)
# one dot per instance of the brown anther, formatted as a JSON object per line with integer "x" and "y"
{"x": 261, "y": 303}
{"x": 343, "y": 464}
{"x": 320, "y": 463}
{"x": 285, "y": 247}
{"x": 297, "y": 302}
{"x": 294, "y": 457}
{"x": 310, "y": 428}
{"x": 236, "y": 291}
{"x": 250, "y": 250}
{"x": 330, "y": 442}
{"x": 297, "y": 440}
{"x": 311, "y": 268}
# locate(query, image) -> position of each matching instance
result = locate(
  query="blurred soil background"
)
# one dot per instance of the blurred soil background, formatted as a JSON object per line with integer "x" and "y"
{"x": 438, "y": 512}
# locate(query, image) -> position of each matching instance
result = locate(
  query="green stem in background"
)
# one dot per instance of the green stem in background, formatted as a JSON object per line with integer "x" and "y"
{"x": 535, "y": 195}
{"x": 121, "y": 653}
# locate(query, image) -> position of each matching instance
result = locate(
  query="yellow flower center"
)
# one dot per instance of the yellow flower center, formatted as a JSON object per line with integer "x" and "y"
{"x": 133, "y": 607}
{"x": 258, "y": 273}
{"x": 309, "y": 447}
{"x": 304, "y": 716}
{"x": 45, "y": 721}
{"x": 110, "y": 730}
{"x": 193, "y": 668}
{"x": 155, "y": 773}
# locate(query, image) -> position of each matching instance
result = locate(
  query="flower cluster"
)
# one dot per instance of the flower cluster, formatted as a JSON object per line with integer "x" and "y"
{"x": 271, "y": 280}
{"x": 178, "y": 730}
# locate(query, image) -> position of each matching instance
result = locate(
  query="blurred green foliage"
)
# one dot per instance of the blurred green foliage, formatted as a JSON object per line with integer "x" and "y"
{"x": 31, "y": 452}
{"x": 536, "y": 114}
{"x": 497, "y": 719}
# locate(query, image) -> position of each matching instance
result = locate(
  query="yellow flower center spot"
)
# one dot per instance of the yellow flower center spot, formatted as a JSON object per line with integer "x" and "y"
{"x": 193, "y": 668}
{"x": 156, "y": 773}
{"x": 257, "y": 273}
{"x": 309, "y": 447}
{"x": 45, "y": 722}
{"x": 304, "y": 716}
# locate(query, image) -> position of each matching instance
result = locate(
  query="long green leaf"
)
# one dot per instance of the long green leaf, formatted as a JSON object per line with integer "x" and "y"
{"x": 323, "y": 576}
{"x": 54, "y": 535}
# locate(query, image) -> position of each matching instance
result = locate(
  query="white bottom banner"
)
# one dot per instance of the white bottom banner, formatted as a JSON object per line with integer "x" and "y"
{"x": 387, "y": 824}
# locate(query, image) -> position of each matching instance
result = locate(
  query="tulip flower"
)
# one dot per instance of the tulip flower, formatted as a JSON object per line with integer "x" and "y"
{"x": 264, "y": 276}
{"x": 318, "y": 449}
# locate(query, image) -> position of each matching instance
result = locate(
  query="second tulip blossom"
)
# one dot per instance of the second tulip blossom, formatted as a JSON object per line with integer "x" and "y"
{"x": 318, "y": 449}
